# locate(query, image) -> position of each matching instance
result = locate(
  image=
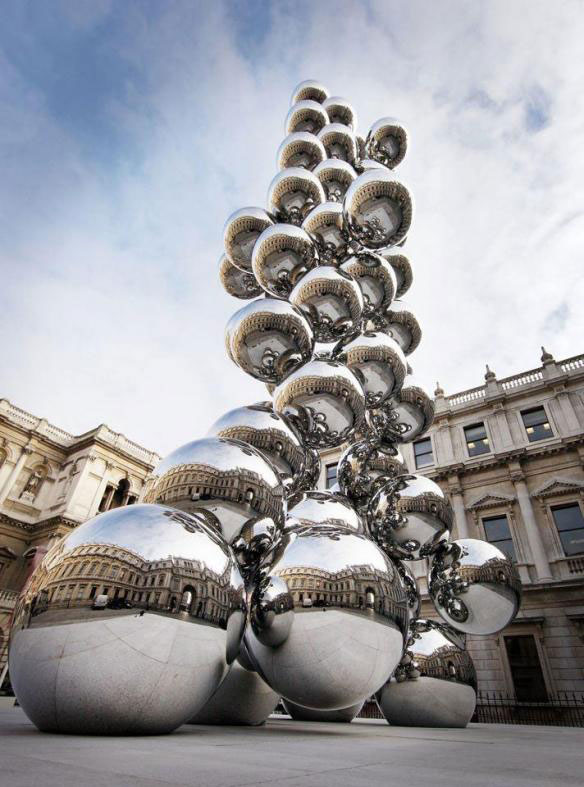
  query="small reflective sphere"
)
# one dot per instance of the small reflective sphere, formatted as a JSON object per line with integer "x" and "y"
{"x": 293, "y": 193}
{"x": 401, "y": 324}
{"x": 376, "y": 279}
{"x": 271, "y": 434}
{"x": 363, "y": 469}
{"x": 300, "y": 149}
{"x": 361, "y": 149}
{"x": 325, "y": 225}
{"x": 410, "y": 517}
{"x": 339, "y": 110}
{"x": 152, "y": 618}
{"x": 406, "y": 416}
{"x": 412, "y": 589}
{"x": 309, "y": 89}
{"x": 377, "y": 361}
{"x": 345, "y": 637}
{"x": 281, "y": 256}
{"x": 474, "y": 586}
{"x": 339, "y": 142}
{"x": 305, "y": 115}
{"x": 378, "y": 209}
{"x": 325, "y": 402}
{"x": 402, "y": 269}
{"x": 240, "y": 233}
{"x": 325, "y": 509}
{"x": 336, "y": 176}
{"x": 269, "y": 338}
{"x": 229, "y": 480}
{"x": 387, "y": 142}
{"x": 341, "y": 716}
{"x": 236, "y": 282}
{"x": 309, "y": 478}
{"x": 331, "y": 300}
{"x": 366, "y": 164}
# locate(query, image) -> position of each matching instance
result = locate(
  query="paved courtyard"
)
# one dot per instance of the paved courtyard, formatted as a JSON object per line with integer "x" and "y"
{"x": 365, "y": 753}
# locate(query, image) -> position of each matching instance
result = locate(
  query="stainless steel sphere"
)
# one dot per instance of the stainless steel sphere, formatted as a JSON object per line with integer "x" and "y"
{"x": 378, "y": 209}
{"x": 271, "y": 434}
{"x": 331, "y": 301}
{"x": 366, "y": 164}
{"x": 335, "y": 176}
{"x": 236, "y": 282}
{"x": 325, "y": 401}
{"x": 361, "y": 149}
{"x": 323, "y": 509}
{"x": 269, "y": 338}
{"x": 293, "y": 193}
{"x": 402, "y": 269}
{"x": 300, "y": 149}
{"x": 377, "y": 361}
{"x": 240, "y": 233}
{"x": 229, "y": 480}
{"x": 340, "y": 618}
{"x": 401, "y": 324}
{"x": 412, "y": 589}
{"x": 339, "y": 142}
{"x": 142, "y": 633}
{"x": 339, "y": 110}
{"x": 305, "y": 115}
{"x": 410, "y": 517}
{"x": 405, "y": 417}
{"x": 309, "y": 478}
{"x": 309, "y": 89}
{"x": 341, "y": 716}
{"x": 325, "y": 225}
{"x": 387, "y": 142}
{"x": 376, "y": 278}
{"x": 281, "y": 256}
{"x": 474, "y": 586}
{"x": 363, "y": 469}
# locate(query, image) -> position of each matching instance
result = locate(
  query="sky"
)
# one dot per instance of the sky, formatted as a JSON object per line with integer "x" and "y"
{"x": 131, "y": 130}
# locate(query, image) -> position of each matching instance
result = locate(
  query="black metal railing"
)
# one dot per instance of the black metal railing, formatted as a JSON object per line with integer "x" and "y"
{"x": 563, "y": 709}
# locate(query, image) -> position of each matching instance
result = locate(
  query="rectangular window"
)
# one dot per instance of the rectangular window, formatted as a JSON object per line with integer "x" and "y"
{"x": 81, "y": 591}
{"x": 498, "y": 533}
{"x": 570, "y": 524}
{"x": 93, "y": 591}
{"x": 536, "y": 424}
{"x": 423, "y": 453}
{"x": 525, "y": 666}
{"x": 476, "y": 438}
{"x": 331, "y": 475}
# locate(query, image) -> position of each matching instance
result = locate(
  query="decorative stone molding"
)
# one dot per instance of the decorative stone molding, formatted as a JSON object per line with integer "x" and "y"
{"x": 491, "y": 500}
{"x": 559, "y": 486}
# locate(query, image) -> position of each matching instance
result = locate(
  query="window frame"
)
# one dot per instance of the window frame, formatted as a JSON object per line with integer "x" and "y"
{"x": 530, "y": 409}
{"x": 431, "y": 452}
{"x": 326, "y": 474}
{"x": 567, "y": 504}
{"x": 503, "y": 515}
{"x": 471, "y": 425}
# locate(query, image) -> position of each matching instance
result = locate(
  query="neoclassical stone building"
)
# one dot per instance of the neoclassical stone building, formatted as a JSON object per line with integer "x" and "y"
{"x": 510, "y": 456}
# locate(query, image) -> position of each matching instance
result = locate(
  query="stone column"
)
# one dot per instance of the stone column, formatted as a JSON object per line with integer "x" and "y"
{"x": 459, "y": 511}
{"x": 100, "y": 490}
{"x": 9, "y": 483}
{"x": 534, "y": 538}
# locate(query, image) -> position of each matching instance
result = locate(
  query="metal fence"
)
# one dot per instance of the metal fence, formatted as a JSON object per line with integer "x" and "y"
{"x": 564, "y": 709}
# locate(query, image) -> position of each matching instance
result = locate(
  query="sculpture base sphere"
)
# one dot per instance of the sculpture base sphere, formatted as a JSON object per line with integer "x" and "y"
{"x": 243, "y": 699}
{"x": 341, "y": 716}
{"x": 427, "y": 702}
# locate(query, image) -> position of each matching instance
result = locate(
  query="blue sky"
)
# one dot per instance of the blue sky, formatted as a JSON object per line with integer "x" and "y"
{"x": 130, "y": 130}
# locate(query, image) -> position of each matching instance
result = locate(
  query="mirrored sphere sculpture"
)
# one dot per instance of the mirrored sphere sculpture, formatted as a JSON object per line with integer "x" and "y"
{"x": 331, "y": 301}
{"x": 324, "y": 400}
{"x": 269, "y": 338}
{"x": 387, "y": 142}
{"x": 300, "y": 149}
{"x": 474, "y": 586}
{"x": 306, "y": 115}
{"x": 376, "y": 280}
{"x": 309, "y": 89}
{"x": 321, "y": 509}
{"x": 228, "y": 479}
{"x": 410, "y": 517}
{"x": 339, "y": 142}
{"x": 325, "y": 225}
{"x": 240, "y": 233}
{"x": 337, "y": 644}
{"x": 293, "y": 193}
{"x": 378, "y": 209}
{"x": 405, "y": 417}
{"x": 339, "y": 110}
{"x": 402, "y": 269}
{"x": 336, "y": 176}
{"x": 281, "y": 256}
{"x": 377, "y": 361}
{"x": 341, "y": 716}
{"x": 412, "y": 588}
{"x": 401, "y": 324}
{"x": 363, "y": 469}
{"x": 136, "y": 658}
{"x": 236, "y": 282}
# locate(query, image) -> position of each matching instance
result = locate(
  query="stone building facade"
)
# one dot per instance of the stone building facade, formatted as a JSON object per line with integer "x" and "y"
{"x": 510, "y": 456}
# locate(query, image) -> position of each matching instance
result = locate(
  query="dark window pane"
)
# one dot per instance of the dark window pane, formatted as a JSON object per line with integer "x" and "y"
{"x": 568, "y": 517}
{"x": 572, "y": 541}
{"x": 496, "y": 528}
{"x": 331, "y": 475}
{"x": 526, "y": 669}
{"x": 534, "y": 417}
{"x": 536, "y": 424}
{"x": 423, "y": 453}
{"x": 476, "y": 432}
{"x": 477, "y": 441}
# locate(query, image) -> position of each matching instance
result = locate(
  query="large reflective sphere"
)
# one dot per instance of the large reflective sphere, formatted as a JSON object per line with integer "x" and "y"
{"x": 474, "y": 586}
{"x": 336, "y": 176}
{"x": 339, "y": 142}
{"x": 269, "y": 338}
{"x": 401, "y": 324}
{"x": 405, "y": 417}
{"x": 341, "y": 716}
{"x": 331, "y": 300}
{"x": 339, "y": 110}
{"x": 377, "y": 361}
{"x": 378, "y": 209}
{"x": 309, "y": 89}
{"x": 376, "y": 279}
{"x": 240, "y": 233}
{"x": 281, "y": 256}
{"x": 325, "y": 225}
{"x": 323, "y": 509}
{"x": 270, "y": 433}
{"x": 306, "y": 115}
{"x": 300, "y": 149}
{"x": 293, "y": 193}
{"x": 325, "y": 401}
{"x": 236, "y": 282}
{"x": 363, "y": 469}
{"x": 344, "y": 615}
{"x": 402, "y": 269}
{"x": 387, "y": 142}
{"x": 410, "y": 517}
{"x": 141, "y": 632}
{"x": 229, "y": 480}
